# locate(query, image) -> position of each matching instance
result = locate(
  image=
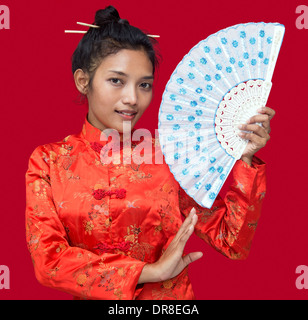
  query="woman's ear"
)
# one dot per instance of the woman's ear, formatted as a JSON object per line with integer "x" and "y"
{"x": 81, "y": 81}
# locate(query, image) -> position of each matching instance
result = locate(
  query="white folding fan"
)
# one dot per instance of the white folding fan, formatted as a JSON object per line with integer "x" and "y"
{"x": 218, "y": 85}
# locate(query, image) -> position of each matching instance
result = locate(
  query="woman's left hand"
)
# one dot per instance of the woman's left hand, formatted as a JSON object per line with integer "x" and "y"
{"x": 259, "y": 135}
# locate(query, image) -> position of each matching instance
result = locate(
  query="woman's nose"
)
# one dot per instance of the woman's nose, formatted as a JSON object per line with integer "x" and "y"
{"x": 130, "y": 95}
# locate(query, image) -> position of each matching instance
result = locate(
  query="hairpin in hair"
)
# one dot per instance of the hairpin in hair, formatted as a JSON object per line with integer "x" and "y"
{"x": 95, "y": 26}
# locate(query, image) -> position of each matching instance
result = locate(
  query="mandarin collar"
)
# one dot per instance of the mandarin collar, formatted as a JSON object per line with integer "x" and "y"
{"x": 93, "y": 135}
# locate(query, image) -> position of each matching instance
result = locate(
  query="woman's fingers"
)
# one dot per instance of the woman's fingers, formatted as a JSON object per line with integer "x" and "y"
{"x": 191, "y": 257}
{"x": 183, "y": 229}
{"x": 256, "y": 129}
{"x": 269, "y": 111}
{"x": 264, "y": 117}
{"x": 189, "y": 228}
{"x": 189, "y": 231}
{"x": 258, "y": 141}
{"x": 172, "y": 262}
{"x": 258, "y": 118}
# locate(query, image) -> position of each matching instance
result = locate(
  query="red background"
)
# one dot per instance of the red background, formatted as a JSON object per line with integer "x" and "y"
{"x": 38, "y": 105}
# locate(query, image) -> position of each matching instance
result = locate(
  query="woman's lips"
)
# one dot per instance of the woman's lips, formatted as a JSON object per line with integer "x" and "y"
{"x": 127, "y": 117}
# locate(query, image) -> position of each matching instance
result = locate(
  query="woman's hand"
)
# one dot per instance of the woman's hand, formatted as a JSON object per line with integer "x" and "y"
{"x": 171, "y": 263}
{"x": 259, "y": 134}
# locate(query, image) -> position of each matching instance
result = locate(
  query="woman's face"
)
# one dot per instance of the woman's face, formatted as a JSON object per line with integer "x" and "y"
{"x": 122, "y": 83}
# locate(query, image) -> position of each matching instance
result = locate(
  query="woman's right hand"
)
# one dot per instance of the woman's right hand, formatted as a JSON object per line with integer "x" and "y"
{"x": 171, "y": 263}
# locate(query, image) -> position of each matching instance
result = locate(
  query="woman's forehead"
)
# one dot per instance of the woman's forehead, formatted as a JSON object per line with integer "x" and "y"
{"x": 126, "y": 62}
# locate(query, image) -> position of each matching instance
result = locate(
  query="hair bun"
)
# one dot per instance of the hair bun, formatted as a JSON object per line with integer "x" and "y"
{"x": 108, "y": 15}
{"x": 123, "y": 21}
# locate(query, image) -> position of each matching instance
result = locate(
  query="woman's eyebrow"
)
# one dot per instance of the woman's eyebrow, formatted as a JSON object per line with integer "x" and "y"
{"x": 120, "y": 73}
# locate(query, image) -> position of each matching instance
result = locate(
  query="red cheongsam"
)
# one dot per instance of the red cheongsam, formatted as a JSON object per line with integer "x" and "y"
{"x": 92, "y": 226}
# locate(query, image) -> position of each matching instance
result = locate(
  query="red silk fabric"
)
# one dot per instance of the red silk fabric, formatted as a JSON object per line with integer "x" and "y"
{"x": 91, "y": 227}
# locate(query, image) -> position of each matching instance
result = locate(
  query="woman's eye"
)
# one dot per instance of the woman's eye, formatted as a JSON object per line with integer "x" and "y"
{"x": 146, "y": 85}
{"x": 115, "y": 81}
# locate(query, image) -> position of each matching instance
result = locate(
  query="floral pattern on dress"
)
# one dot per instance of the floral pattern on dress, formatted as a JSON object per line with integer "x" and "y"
{"x": 91, "y": 227}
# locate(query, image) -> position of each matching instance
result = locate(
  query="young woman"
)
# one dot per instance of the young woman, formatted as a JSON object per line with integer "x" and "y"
{"x": 114, "y": 230}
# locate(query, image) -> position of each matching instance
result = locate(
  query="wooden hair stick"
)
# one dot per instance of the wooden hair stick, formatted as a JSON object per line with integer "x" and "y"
{"x": 88, "y": 25}
{"x": 95, "y": 26}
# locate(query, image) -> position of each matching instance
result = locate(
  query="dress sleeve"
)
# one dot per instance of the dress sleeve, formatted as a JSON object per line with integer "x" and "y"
{"x": 74, "y": 270}
{"x": 230, "y": 224}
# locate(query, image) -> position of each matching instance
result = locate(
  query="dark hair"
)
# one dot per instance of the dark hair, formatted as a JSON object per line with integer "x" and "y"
{"x": 113, "y": 35}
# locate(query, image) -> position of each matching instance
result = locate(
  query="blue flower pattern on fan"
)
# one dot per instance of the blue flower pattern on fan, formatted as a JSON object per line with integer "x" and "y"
{"x": 197, "y": 185}
{"x": 172, "y": 97}
{"x": 225, "y": 59}
{"x": 218, "y": 66}
{"x": 179, "y": 145}
{"x": 252, "y": 41}
{"x": 212, "y": 169}
{"x": 196, "y": 147}
{"x": 207, "y": 49}
{"x": 220, "y": 169}
{"x": 243, "y": 34}
{"x": 197, "y": 174}
{"x": 212, "y": 195}
{"x": 200, "y": 139}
